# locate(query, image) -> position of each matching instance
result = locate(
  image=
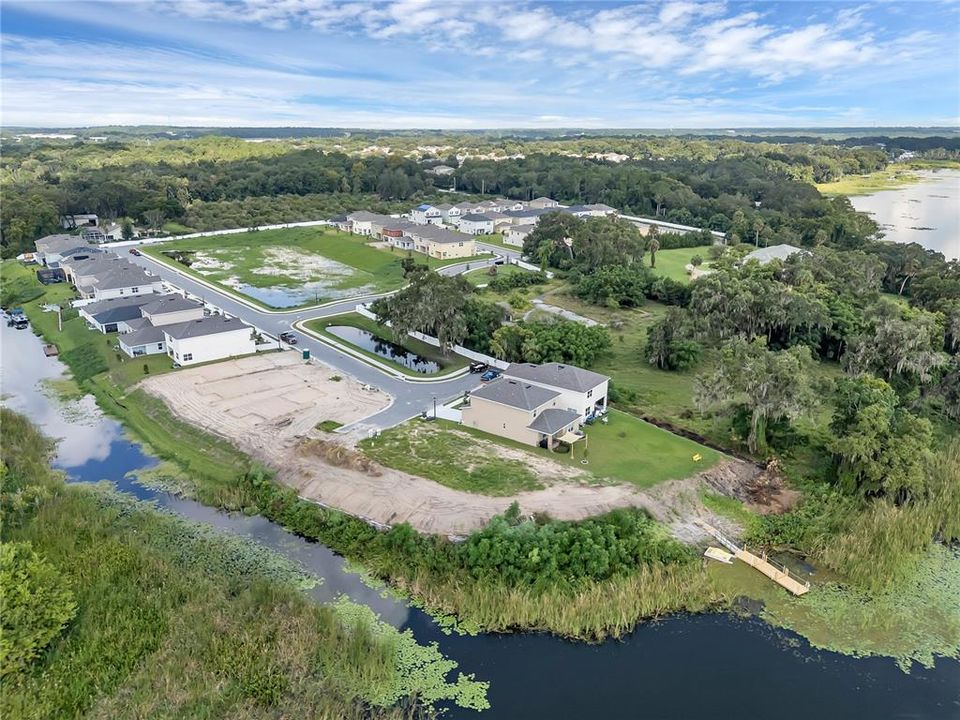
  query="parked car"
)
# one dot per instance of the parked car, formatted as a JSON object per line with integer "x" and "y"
{"x": 478, "y": 367}
{"x": 289, "y": 338}
{"x": 134, "y": 251}
{"x": 490, "y": 375}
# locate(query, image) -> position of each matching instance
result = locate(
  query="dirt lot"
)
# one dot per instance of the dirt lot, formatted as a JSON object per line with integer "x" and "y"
{"x": 269, "y": 405}
{"x": 264, "y": 402}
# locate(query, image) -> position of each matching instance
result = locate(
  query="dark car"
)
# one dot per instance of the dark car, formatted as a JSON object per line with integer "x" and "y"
{"x": 134, "y": 251}
{"x": 490, "y": 375}
{"x": 478, "y": 367}
{"x": 289, "y": 338}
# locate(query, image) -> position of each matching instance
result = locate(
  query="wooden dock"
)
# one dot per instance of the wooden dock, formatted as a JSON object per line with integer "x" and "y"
{"x": 780, "y": 574}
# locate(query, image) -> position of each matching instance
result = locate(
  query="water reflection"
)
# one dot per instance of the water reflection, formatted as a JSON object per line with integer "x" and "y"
{"x": 384, "y": 348}
{"x": 927, "y": 213}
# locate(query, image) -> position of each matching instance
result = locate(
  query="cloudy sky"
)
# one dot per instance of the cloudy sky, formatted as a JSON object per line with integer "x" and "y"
{"x": 449, "y": 64}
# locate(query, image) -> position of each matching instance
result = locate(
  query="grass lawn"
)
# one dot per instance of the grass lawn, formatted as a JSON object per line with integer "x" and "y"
{"x": 481, "y": 276}
{"x": 292, "y": 267}
{"x": 672, "y": 263}
{"x": 496, "y": 239}
{"x": 624, "y": 450}
{"x": 448, "y": 363}
{"x": 436, "y": 451}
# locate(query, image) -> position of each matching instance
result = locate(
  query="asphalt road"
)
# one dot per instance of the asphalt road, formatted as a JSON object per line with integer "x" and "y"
{"x": 409, "y": 398}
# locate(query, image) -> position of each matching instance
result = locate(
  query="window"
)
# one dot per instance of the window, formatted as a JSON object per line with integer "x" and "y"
{"x": 187, "y": 357}
{"x": 159, "y": 346}
{"x": 121, "y": 291}
{"x": 134, "y": 289}
{"x": 589, "y": 393}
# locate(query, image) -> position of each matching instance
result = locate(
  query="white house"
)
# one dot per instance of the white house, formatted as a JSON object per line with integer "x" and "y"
{"x": 142, "y": 338}
{"x": 207, "y": 339}
{"x": 53, "y": 248}
{"x": 441, "y": 170}
{"x": 516, "y": 234}
{"x": 774, "y": 252}
{"x": 361, "y": 222}
{"x": 475, "y": 224}
{"x": 426, "y": 215}
{"x": 113, "y": 315}
{"x": 580, "y": 390}
{"x": 542, "y": 203}
{"x": 171, "y": 309}
{"x": 122, "y": 281}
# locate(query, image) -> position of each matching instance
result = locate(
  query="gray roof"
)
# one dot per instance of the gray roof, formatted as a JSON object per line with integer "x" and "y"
{"x": 568, "y": 377}
{"x": 475, "y": 217}
{"x": 170, "y": 303}
{"x": 213, "y": 325}
{"x": 95, "y": 264}
{"x": 58, "y": 242}
{"x": 145, "y": 334}
{"x": 124, "y": 276}
{"x": 774, "y": 252}
{"x": 102, "y": 305}
{"x": 364, "y": 216}
{"x": 119, "y": 313}
{"x": 528, "y": 212}
{"x": 553, "y": 420}
{"x": 515, "y": 394}
{"x": 435, "y": 233}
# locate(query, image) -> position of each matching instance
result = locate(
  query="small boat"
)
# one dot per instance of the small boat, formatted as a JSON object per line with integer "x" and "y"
{"x": 715, "y": 553}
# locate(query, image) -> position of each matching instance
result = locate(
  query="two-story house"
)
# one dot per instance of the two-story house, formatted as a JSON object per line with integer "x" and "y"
{"x": 426, "y": 215}
{"x": 581, "y": 390}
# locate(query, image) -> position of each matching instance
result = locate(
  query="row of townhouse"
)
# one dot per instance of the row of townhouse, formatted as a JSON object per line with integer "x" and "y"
{"x": 170, "y": 324}
{"x": 429, "y": 239}
{"x": 501, "y": 216}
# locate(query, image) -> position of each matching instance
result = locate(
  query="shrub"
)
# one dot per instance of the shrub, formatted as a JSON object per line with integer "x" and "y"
{"x": 35, "y": 605}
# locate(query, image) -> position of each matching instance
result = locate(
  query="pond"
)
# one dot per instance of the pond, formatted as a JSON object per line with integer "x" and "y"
{"x": 683, "y": 666}
{"x": 384, "y": 348}
{"x": 927, "y": 212}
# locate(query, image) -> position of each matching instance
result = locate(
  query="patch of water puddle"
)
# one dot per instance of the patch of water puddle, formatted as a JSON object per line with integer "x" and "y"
{"x": 279, "y": 296}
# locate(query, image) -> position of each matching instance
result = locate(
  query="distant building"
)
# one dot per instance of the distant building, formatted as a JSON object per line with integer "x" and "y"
{"x": 541, "y": 203}
{"x": 426, "y": 215}
{"x": 70, "y": 222}
{"x": 516, "y": 234}
{"x": 441, "y": 170}
{"x": 441, "y": 243}
{"x": 774, "y": 252}
{"x": 476, "y": 224}
{"x": 93, "y": 235}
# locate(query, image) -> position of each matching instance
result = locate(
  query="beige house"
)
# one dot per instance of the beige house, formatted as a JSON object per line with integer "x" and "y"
{"x": 520, "y": 411}
{"x": 440, "y": 243}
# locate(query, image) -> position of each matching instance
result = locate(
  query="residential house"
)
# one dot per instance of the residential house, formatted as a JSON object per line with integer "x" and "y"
{"x": 441, "y": 243}
{"x": 426, "y": 215}
{"x": 109, "y": 316}
{"x": 527, "y": 216}
{"x": 394, "y": 232}
{"x": 83, "y": 269}
{"x": 93, "y": 235}
{"x": 441, "y": 170}
{"x": 121, "y": 281}
{"x": 114, "y": 232}
{"x": 142, "y": 338}
{"x": 521, "y": 411}
{"x": 580, "y": 390}
{"x": 361, "y": 222}
{"x": 774, "y": 252}
{"x": 475, "y": 224}
{"x": 171, "y": 309}
{"x": 449, "y": 213}
{"x": 516, "y": 234}
{"x": 541, "y": 203}
{"x": 69, "y": 222}
{"x": 600, "y": 210}
{"x": 53, "y": 248}
{"x": 210, "y": 338}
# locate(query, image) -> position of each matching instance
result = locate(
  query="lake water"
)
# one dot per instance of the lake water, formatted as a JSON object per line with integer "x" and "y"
{"x": 684, "y": 667}
{"x": 927, "y": 213}
{"x": 384, "y": 348}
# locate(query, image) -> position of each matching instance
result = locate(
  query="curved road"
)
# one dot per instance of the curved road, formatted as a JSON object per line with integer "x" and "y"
{"x": 409, "y": 398}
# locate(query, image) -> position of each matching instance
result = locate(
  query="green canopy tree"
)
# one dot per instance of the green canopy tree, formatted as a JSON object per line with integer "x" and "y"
{"x": 770, "y": 385}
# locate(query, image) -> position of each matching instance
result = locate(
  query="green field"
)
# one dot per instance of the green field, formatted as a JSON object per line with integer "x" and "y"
{"x": 448, "y": 362}
{"x": 482, "y": 276}
{"x": 293, "y": 267}
{"x": 672, "y": 263}
{"x": 623, "y": 450}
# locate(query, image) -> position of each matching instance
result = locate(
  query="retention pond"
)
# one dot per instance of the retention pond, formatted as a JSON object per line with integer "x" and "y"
{"x": 705, "y": 666}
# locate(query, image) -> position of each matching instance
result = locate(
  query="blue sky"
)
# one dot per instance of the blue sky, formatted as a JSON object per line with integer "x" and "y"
{"x": 448, "y": 64}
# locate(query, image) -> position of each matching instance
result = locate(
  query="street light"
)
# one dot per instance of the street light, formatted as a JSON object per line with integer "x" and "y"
{"x": 434, "y": 407}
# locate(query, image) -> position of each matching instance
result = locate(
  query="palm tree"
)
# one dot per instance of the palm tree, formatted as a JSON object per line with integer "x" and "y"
{"x": 758, "y": 226}
{"x": 654, "y": 246}
{"x": 820, "y": 238}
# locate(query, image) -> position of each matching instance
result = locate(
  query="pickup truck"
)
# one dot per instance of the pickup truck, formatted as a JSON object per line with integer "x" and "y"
{"x": 289, "y": 338}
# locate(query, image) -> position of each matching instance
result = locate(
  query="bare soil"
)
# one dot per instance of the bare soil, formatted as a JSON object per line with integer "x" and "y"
{"x": 269, "y": 406}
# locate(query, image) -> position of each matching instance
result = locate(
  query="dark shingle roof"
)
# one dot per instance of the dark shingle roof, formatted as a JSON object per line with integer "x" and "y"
{"x": 170, "y": 303}
{"x": 147, "y": 334}
{"x": 475, "y": 217}
{"x": 213, "y": 325}
{"x": 58, "y": 242}
{"x": 553, "y": 420}
{"x": 569, "y": 377}
{"x": 101, "y": 305}
{"x": 516, "y": 394}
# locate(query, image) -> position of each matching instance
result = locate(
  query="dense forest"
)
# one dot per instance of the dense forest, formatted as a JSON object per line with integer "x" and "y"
{"x": 215, "y": 182}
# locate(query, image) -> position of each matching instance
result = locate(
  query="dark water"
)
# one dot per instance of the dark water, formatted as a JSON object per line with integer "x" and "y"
{"x": 384, "y": 348}
{"x": 684, "y": 667}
